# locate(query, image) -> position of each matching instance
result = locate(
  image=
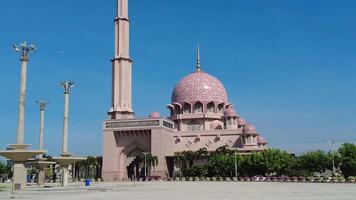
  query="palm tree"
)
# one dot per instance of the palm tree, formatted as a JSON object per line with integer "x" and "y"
{"x": 152, "y": 161}
{"x": 179, "y": 158}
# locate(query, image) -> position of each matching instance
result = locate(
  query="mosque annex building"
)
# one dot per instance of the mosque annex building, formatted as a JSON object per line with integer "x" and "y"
{"x": 200, "y": 117}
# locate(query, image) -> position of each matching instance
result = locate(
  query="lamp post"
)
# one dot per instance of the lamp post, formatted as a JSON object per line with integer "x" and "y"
{"x": 66, "y": 159}
{"x": 65, "y": 171}
{"x": 18, "y": 153}
{"x": 145, "y": 164}
{"x": 24, "y": 51}
{"x": 66, "y": 85}
{"x": 332, "y": 154}
{"x": 235, "y": 164}
{"x": 43, "y": 104}
{"x": 41, "y": 163}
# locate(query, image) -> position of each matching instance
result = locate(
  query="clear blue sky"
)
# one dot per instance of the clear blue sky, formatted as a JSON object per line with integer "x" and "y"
{"x": 288, "y": 66}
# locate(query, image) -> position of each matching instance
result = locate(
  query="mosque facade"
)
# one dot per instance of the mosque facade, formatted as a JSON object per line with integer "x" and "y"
{"x": 201, "y": 116}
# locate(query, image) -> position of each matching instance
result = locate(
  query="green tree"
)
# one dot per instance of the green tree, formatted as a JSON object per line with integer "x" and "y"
{"x": 188, "y": 156}
{"x": 5, "y": 170}
{"x": 347, "y": 153}
{"x": 221, "y": 165}
{"x": 223, "y": 150}
{"x": 253, "y": 164}
{"x": 268, "y": 162}
{"x": 3, "y": 167}
{"x": 201, "y": 154}
{"x": 314, "y": 161}
{"x": 196, "y": 171}
{"x": 152, "y": 162}
{"x": 278, "y": 162}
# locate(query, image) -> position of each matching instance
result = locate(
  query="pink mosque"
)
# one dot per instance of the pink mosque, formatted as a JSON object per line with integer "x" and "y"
{"x": 201, "y": 116}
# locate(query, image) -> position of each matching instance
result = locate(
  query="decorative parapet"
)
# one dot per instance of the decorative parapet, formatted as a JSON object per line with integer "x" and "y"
{"x": 139, "y": 123}
{"x": 168, "y": 124}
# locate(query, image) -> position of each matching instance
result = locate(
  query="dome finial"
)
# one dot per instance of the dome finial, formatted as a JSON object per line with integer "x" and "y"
{"x": 198, "y": 59}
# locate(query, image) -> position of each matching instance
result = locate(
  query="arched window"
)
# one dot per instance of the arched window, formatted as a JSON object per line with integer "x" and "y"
{"x": 219, "y": 127}
{"x": 198, "y": 107}
{"x": 210, "y": 107}
{"x": 229, "y": 121}
{"x": 187, "y": 108}
{"x": 171, "y": 110}
{"x": 193, "y": 126}
{"x": 176, "y": 109}
{"x": 221, "y": 108}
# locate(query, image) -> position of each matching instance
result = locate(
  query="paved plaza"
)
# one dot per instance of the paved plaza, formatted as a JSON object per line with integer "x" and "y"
{"x": 190, "y": 190}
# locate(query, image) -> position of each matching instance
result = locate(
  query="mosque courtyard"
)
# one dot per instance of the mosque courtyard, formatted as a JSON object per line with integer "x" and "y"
{"x": 188, "y": 190}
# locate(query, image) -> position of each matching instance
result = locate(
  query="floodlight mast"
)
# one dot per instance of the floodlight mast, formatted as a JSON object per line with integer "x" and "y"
{"x": 67, "y": 85}
{"x": 43, "y": 104}
{"x": 24, "y": 51}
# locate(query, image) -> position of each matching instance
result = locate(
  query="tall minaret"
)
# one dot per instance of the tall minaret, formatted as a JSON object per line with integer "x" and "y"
{"x": 121, "y": 107}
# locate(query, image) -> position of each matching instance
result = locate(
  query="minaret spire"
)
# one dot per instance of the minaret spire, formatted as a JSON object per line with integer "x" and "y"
{"x": 198, "y": 67}
{"x": 121, "y": 107}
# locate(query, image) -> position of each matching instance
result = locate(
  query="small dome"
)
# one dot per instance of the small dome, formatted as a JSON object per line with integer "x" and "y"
{"x": 199, "y": 86}
{"x": 155, "y": 115}
{"x": 241, "y": 121}
{"x": 261, "y": 140}
{"x": 230, "y": 112}
{"x": 249, "y": 129}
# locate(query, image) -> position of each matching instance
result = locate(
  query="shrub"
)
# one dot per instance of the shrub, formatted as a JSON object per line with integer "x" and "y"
{"x": 351, "y": 179}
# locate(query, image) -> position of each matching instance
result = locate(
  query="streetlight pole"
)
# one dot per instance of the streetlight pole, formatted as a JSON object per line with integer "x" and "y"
{"x": 24, "y": 51}
{"x": 65, "y": 171}
{"x": 66, "y": 85}
{"x": 145, "y": 164}
{"x": 235, "y": 164}
{"x": 18, "y": 153}
{"x": 332, "y": 154}
{"x": 43, "y": 105}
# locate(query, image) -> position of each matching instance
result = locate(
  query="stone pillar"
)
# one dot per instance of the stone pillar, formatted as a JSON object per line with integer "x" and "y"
{"x": 41, "y": 177}
{"x": 19, "y": 176}
{"x": 65, "y": 176}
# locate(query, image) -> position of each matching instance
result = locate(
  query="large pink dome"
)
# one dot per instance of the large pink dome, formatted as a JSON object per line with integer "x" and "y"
{"x": 199, "y": 86}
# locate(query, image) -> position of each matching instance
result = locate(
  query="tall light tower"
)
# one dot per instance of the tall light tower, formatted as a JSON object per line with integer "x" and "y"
{"x": 43, "y": 104}
{"x": 41, "y": 163}
{"x": 66, "y": 159}
{"x": 24, "y": 51}
{"x": 67, "y": 85}
{"x": 18, "y": 152}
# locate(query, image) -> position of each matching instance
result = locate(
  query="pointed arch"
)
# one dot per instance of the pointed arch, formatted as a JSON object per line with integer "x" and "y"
{"x": 177, "y": 108}
{"x": 187, "y": 108}
{"x": 198, "y": 107}
{"x": 194, "y": 126}
{"x": 210, "y": 107}
{"x": 221, "y": 107}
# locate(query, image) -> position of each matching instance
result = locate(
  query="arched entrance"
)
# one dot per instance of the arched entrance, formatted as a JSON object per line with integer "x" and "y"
{"x": 132, "y": 158}
{"x": 134, "y": 164}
